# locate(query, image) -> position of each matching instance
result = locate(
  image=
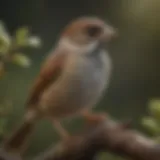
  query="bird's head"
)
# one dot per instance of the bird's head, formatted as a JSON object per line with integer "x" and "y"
{"x": 87, "y": 31}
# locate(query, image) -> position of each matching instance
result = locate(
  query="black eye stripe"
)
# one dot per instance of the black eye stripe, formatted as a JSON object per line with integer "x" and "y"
{"x": 93, "y": 31}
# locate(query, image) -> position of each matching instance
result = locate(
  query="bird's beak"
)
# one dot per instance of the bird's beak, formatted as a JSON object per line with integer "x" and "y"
{"x": 109, "y": 34}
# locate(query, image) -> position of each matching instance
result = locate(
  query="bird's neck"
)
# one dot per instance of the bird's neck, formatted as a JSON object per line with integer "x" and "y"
{"x": 97, "y": 50}
{"x": 77, "y": 48}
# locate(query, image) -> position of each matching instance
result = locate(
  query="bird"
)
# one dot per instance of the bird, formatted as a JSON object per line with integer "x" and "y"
{"x": 71, "y": 81}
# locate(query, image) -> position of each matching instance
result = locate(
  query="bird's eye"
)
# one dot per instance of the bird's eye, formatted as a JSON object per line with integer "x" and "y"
{"x": 93, "y": 31}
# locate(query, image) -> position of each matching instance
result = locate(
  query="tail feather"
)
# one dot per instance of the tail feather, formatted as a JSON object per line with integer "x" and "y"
{"x": 20, "y": 138}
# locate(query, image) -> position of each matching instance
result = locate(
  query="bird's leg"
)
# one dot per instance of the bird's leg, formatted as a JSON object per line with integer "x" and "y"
{"x": 93, "y": 117}
{"x": 62, "y": 132}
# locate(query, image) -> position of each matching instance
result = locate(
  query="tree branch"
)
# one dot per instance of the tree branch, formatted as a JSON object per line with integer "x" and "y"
{"x": 103, "y": 136}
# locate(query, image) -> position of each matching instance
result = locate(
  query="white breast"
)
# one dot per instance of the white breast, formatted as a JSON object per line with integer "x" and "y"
{"x": 84, "y": 81}
{"x": 81, "y": 84}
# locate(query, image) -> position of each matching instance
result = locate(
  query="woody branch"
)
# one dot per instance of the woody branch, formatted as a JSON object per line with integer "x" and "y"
{"x": 108, "y": 136}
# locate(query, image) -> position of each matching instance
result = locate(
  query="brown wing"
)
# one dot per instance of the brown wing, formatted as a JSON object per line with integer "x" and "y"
{"x": 50, "y": 71}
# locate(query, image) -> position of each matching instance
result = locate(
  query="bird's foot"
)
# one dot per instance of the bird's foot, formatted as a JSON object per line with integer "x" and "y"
{"x": 92, "y": 118}
{"x": 61, "y": 131}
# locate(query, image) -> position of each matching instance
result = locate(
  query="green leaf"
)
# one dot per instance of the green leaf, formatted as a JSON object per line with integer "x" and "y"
{"x": 22, "y": 35}
{"x": 151, "y": 125}
{"x": 34, "y": 42}
{"x": 21, "y": 60}
{"x": 154, "y": 108}
{"x": 3, "y": 48}
{"x": 5, "y": 38}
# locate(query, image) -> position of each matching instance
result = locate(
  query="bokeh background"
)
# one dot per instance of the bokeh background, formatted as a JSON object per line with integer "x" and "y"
{"x": 135, "y": 55}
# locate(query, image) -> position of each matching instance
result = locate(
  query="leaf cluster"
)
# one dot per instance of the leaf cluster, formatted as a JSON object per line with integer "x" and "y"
{"x": 12, "y": 47}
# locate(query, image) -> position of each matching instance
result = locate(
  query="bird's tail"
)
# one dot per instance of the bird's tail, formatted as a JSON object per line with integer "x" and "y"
{"x": 19, "y": 139}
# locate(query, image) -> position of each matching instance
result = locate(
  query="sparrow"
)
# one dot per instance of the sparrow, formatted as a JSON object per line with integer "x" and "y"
{"x": 72, "y": 79}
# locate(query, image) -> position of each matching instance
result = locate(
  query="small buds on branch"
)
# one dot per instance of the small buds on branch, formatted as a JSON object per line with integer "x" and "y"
{"x": 152, "y": 122}
{"x": 12, "y": 47}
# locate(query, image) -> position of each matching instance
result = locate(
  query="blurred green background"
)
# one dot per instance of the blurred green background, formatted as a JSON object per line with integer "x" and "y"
{"x": 135, "y": 55}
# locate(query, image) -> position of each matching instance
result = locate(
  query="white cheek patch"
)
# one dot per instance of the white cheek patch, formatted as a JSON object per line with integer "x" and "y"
{"x": 66, "y": 43}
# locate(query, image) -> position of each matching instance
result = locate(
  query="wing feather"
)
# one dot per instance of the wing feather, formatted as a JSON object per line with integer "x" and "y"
{"x": 50, "y": 71}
